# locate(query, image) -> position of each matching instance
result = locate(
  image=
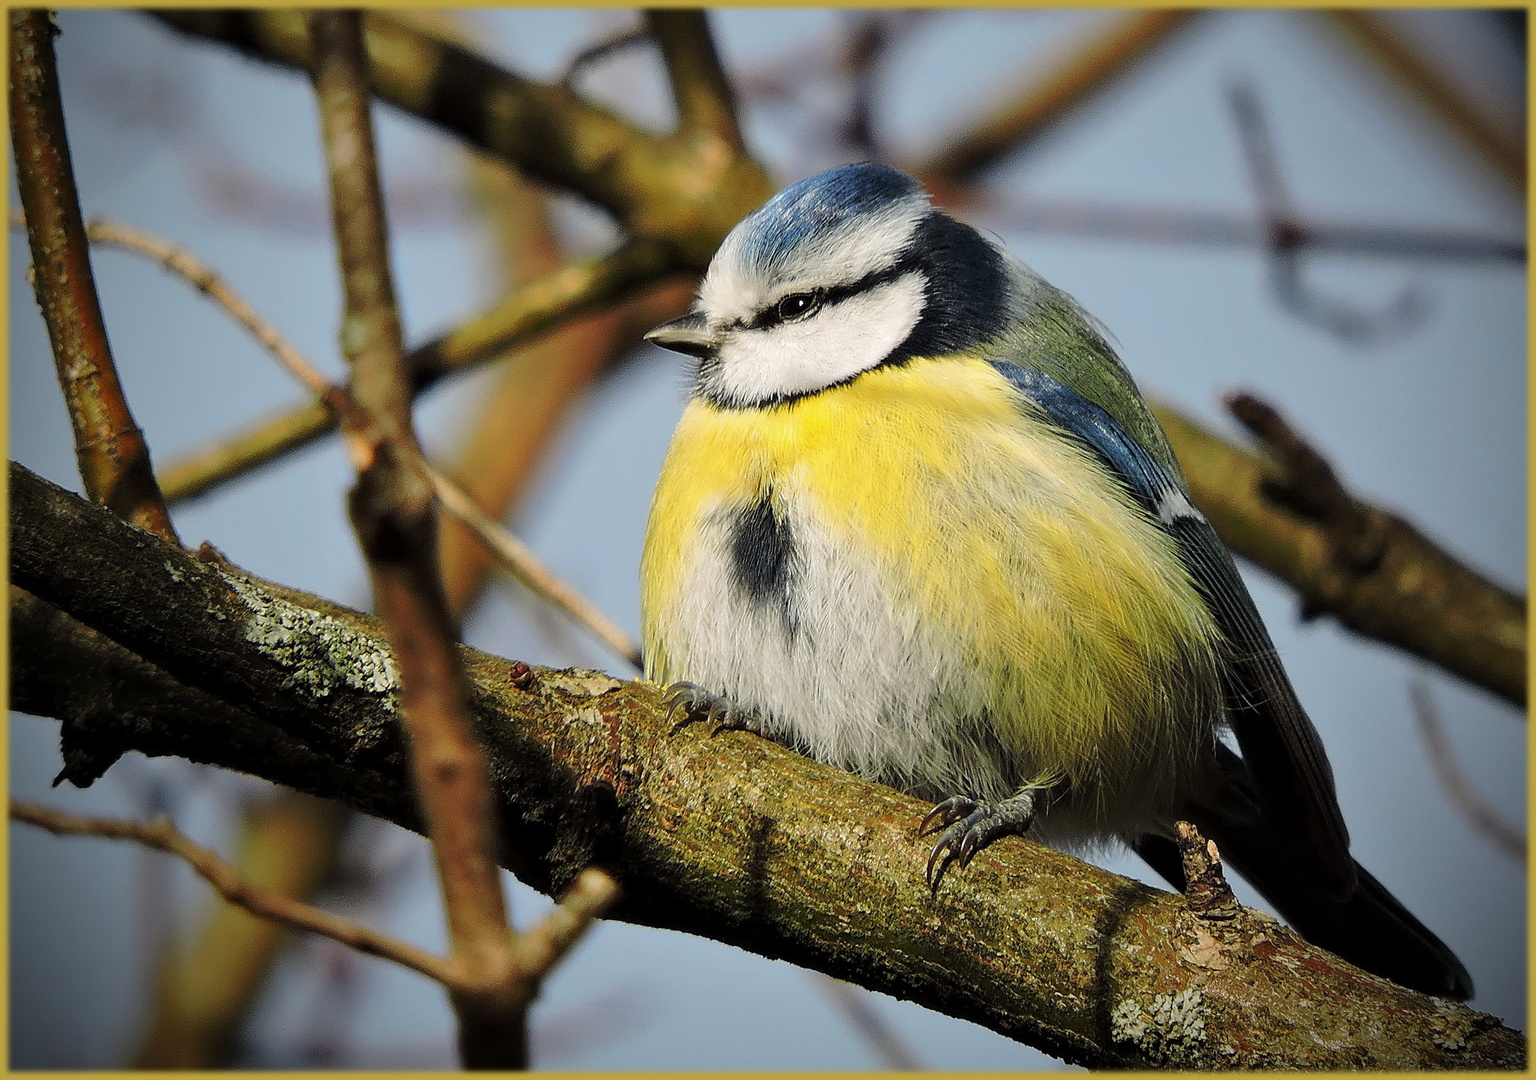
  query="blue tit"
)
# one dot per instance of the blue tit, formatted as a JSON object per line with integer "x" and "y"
{"x": 917, "y": 522}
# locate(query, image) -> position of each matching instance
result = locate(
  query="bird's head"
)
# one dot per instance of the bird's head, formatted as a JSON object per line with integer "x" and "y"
{"x": 831, "y": 277}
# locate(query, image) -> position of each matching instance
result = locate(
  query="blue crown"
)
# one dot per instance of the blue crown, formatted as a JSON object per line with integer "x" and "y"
{"x": 819, "y": 203}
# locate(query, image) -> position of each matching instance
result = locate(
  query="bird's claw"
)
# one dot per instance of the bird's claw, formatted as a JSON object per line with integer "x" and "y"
{"x": 695, "y": 702}
{"x": 969, "y": 826}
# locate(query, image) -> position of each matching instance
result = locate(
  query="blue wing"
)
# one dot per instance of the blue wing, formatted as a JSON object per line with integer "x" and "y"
{"x": 1281, "y": 748}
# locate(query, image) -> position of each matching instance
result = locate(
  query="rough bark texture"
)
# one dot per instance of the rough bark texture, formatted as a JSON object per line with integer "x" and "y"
{"x": 135, "y": 644}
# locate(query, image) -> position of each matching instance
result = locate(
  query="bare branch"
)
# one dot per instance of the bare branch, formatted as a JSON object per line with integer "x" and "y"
{"x": 572, "y": 291}
{"x": 1392, "y": 583}
{"x": 602, "y": 50}
{"x": 1426, "y": 714}
{"x": 110, "y": 448}
{"x": 392, "y": 512}
{"x": 854, "y": 1003}
{"x": 545, "y": 944}
{"x": 705, "y": 100}
{"x": 1347, "y": 322}
{"x": 679, "y": 190}
{"x": 537, "y": 385}
{"x": 182, "y": 263}
{"x": 1369, "y": 30}
{"x": 1185, "y": 226}
{"x": 206, "y": 988}
{"x": 516, "y": 556}
{"x": 263, "y": 902}
{"x": 1063, "y": 87}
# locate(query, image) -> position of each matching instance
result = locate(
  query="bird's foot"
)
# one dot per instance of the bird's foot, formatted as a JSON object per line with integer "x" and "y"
{"x": 693, "y": 702}
{"x": 971, "y": 826}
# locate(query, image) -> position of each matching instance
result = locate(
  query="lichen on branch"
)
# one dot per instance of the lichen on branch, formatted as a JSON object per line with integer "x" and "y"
{"x": 730, "y": 836}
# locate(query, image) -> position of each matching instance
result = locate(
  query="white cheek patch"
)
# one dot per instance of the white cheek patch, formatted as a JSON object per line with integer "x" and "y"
{"x": 833, "y": 345}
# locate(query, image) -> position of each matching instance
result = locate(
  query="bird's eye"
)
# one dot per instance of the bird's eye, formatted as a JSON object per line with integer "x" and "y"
{"x": 797, "y": 306}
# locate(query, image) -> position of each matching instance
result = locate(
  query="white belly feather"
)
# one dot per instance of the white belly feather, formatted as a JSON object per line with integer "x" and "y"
{"x": 839, "y": 669}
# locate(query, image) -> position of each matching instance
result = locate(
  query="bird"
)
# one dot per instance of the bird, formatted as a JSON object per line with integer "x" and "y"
{"x": 916, "y": 521}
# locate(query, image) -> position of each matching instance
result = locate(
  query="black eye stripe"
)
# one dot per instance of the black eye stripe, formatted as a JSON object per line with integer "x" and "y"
{"x": 770, "y": 315}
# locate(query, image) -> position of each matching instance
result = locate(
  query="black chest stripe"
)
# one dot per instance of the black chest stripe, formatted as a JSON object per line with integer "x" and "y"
{"x": 763, "y": 554}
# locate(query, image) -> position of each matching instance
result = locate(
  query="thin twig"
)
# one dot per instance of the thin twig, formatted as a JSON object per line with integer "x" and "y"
{"x": 1464, "y": 796}
{"x": 869, "y": 36}
{"x": 1376, "y": 35}
{"x": 109, "y": 447}
{"x": 1062, "y": 87}
{"x": 516, "y": 556}
{"x": 855, "y": 1005}
{"x": 545, "y": 944}
{"x": 207, "y": 986}
{"x": 260, "y": 901}
{"x": 181, "y": 262}
{"x": 1179, "y": 226}
{"x": 602, "y": 50}
{"x": 392, "y": 513}
{"x": 1347, "y": 322}
{"x": 554, "y": 300}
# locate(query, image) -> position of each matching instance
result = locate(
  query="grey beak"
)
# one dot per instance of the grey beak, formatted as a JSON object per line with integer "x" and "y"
{"x": 690, "y": 335}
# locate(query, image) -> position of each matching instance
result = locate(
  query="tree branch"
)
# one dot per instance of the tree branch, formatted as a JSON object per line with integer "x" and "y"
{"x": 528, "y": 569}
{"x": 677, "y": 196}
{"x": 1377, "y": 37}
{"x": 705, "y": 100}
{"x": 575, "y": 290}
{"x": 1485, "y": 819}
{"x": 205, "y": 989}
{"x": 137, "y": 645}
{"x": 502, "y": 546}
{"x": 263, "y": 902}
{"x": 537, "y": 385}
{"x": 1051, "y": 95}
{"x": 110, "y": 448}
{"x": 686, "y": 190}
{"x": 1374, "y": 571}
{"x": 184, "y": 264}
{"x": 393, "y": 513}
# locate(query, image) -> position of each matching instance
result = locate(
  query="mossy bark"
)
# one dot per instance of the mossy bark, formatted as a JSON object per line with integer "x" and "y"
{"x": 137, "y": 645}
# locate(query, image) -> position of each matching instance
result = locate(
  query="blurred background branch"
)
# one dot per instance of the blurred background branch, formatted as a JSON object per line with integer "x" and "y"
{"x": 1502, "y": 834}
{"x": 1285, "y": 514}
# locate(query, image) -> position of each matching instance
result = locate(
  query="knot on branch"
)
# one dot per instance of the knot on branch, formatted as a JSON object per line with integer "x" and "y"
{"x": 391, "y": 509}
{"x": 1356, "y": 533}
{"x": 1206, "y": 892}
{"x": 89, "y": 748}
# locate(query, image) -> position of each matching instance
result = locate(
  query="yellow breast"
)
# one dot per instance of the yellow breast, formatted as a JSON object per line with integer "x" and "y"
{"x": 1055, "y": 615}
